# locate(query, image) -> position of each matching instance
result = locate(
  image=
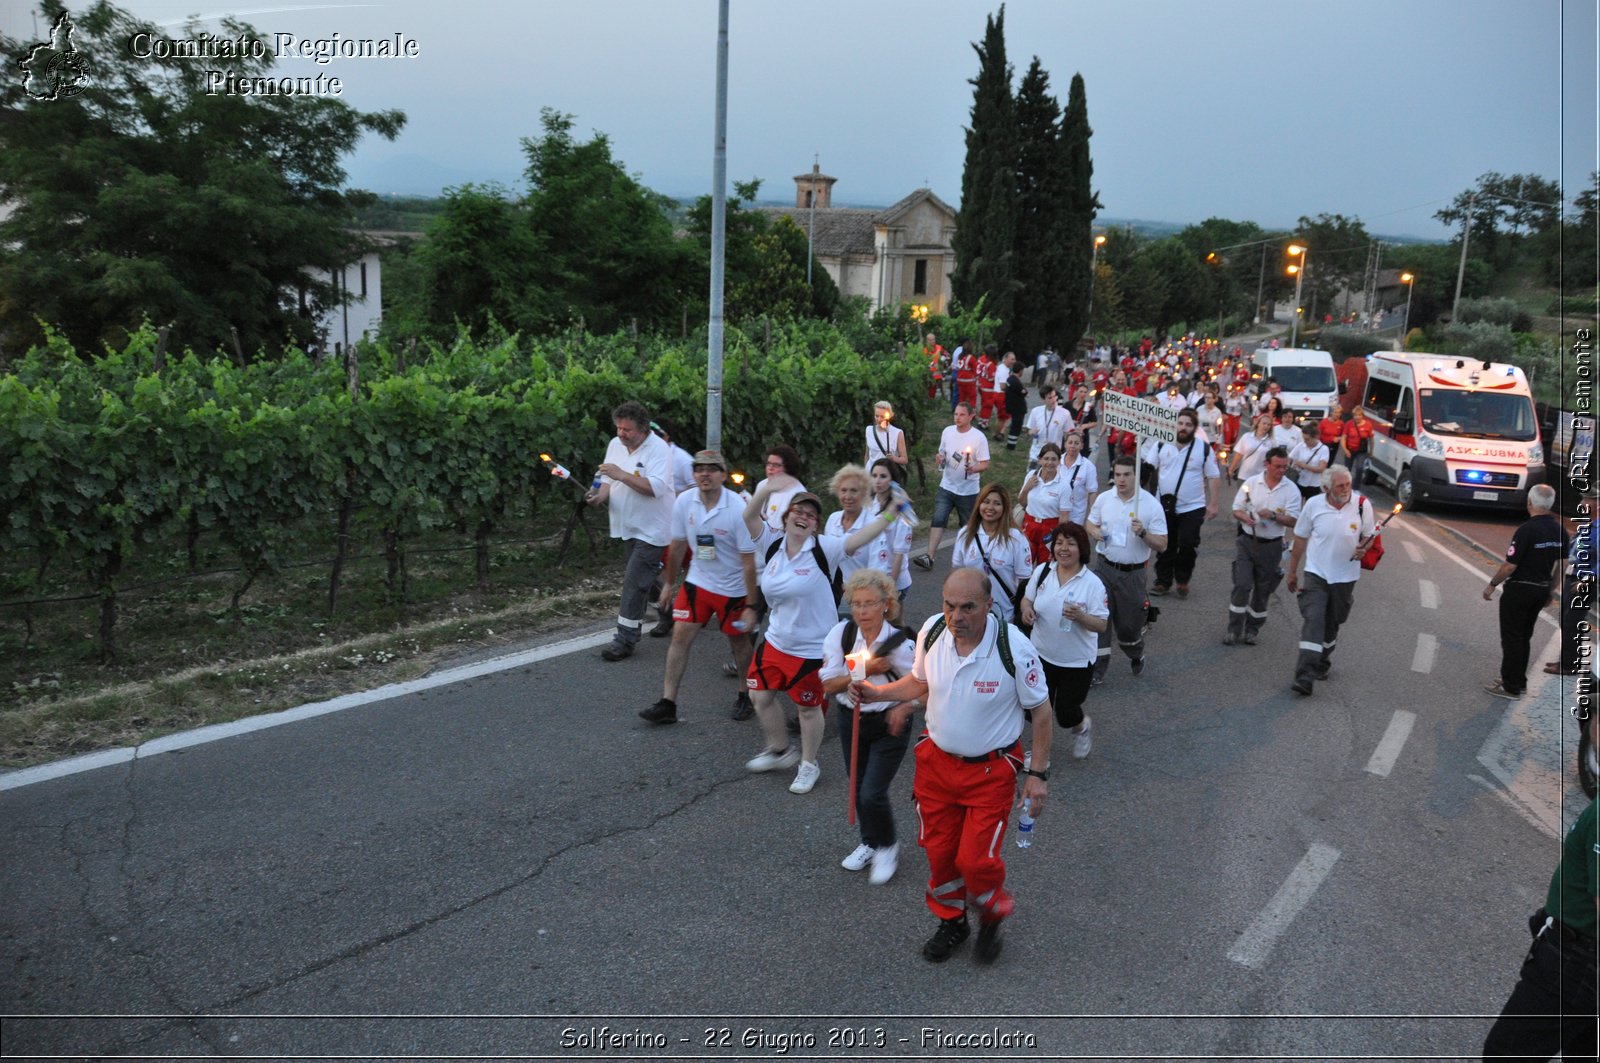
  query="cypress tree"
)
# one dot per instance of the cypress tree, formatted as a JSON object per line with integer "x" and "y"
{"x": 1081, "y": 206}
{"x": 986, "y": 222}
{"x": 1043, "y": 219}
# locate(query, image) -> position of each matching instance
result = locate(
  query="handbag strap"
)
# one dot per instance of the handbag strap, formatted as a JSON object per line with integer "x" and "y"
{"x": 978, "y": 542}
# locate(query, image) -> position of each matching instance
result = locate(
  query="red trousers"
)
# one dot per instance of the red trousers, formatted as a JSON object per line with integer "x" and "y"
{"x": 1230, "y": 428}
{"x": 962, "y": 812}
{"x": 967, "y": 392}
{"x": 1037, "y": 531}
{"x": 993, "y": 403}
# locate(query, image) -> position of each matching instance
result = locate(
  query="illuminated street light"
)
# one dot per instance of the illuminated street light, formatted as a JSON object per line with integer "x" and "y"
{"x": 1409, "y": 280}
{"x": 1094, "y": 260}
{"x": 1299, "y": 273}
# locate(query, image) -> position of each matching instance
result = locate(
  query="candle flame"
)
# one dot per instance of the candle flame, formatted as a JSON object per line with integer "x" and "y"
{"x": 544, "y": 457}
{"x": 737, "y": 477}
{"x": 1397, "y": 507}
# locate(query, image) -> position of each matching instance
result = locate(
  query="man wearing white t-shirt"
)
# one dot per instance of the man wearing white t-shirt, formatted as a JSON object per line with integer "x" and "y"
{"x": 708, "y": 524}
{"x": 1188, "y": 484}
{"x": 1334, "y": 530}
{"x": 963, "y": 455}
{"x": 636, "y": 489}
{"x": 978, "y": 681}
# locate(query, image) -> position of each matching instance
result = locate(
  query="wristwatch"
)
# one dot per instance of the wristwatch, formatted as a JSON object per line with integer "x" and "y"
{"x": 1042, "y": 775}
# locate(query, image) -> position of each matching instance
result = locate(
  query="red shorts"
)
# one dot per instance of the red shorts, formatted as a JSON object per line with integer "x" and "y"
{"x": 696, "y": 605}
{"x": 967, "y": 392}
{"x": 1037, "y": 531}
{"x": 772, "y": 669}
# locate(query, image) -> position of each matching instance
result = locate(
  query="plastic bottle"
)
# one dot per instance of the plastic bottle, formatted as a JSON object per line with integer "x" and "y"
{"x": 596, "y": 485}
{"x": 1025, "y": 826}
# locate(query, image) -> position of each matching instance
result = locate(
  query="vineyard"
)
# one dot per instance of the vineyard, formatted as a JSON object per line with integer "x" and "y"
{"x": 123, "y": 467}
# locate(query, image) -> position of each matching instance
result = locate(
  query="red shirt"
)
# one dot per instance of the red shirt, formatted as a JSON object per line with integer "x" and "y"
{"x": 967, "y": 367}
{"x": 986, "y": 369}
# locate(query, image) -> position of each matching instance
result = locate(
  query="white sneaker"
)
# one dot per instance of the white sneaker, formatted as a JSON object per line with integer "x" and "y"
{"x": 806, "y": 777}
{"x": 858, "y": 859}
{"x": 884, "y": 863}
{"x": 1083, "y": 741}
{"x": 767, "y": 760}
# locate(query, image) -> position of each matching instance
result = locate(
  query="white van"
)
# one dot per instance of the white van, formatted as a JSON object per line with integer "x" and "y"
{"x": 1310, "y": 387}
{"x": 1447, "y": 429}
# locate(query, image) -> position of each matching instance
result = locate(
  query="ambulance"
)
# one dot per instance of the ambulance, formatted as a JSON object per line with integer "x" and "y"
{"x": 1451, "y": 429}
{"x": 1309, "y": 385}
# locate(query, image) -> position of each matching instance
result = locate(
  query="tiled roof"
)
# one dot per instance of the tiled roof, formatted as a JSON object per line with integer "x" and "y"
{"x": 840, "y": 230}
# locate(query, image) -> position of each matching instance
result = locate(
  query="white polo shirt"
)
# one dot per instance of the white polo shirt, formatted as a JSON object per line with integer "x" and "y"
{"x": 1252, "y": 451}
{"x": 1010, "y": 558}
{"x": 1254, "y": 494}
{"x": 634, "y": 514}
{"x": 834, "y": 665}
{"x": 777, "y": 502}
{"x": 1287, "y": 438}
{"x": 1044, "y": 500}
{"x": 799, "y": 595}
{"x": 879, "y": 553}
{"x": 1183, "y": 469}
{"x": 955, "y": 444}
{"x": 974, "y": 706}
{"x": 716, "y": 537}
{"x": 1311, "y": 455}
{"x": 1333, "y": 535}
{"x": 1078, "y": 481}
{"x": 1060, "y": 641}
{"x": 1114, "y": 518}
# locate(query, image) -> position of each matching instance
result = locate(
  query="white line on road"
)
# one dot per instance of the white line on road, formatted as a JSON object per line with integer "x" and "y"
{"x": 1482, "y": 573}
{"x": 1413, "y": 551}
{"x": 1430, "y": 593}
{"x": 1427, "y": 648}
{"x": 1255, "y": 944}
{"x": 1389, "y": 746}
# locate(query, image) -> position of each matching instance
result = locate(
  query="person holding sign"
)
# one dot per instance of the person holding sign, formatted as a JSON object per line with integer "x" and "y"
{"x": 1188, "y": 480}
{"x": 1127, "y": 525}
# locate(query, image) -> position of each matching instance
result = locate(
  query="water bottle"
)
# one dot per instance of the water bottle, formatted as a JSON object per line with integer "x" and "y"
{"x": 1025, "y": 825}
{"x": 595, "y": 486}
{"x": 907, "y": 514}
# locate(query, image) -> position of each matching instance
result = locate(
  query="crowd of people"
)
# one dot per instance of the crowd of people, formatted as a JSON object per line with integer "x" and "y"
{"x": 1043, "y": 578}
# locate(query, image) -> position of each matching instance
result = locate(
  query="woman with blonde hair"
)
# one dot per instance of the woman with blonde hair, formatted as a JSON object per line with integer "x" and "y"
{"x": 991, "y": 543}
{"x": 884, "y": 733}
{"x": 884, "y": 440}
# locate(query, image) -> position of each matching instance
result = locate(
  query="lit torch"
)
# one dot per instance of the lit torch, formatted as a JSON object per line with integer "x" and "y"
{"x": 557, "y": 470}
{"x": 858, "y": 674}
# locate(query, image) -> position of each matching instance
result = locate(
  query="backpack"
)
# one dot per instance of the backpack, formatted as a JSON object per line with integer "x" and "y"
{"x": 835, "y": 579}
{"x": 1003, "y": 641}
{"x": 847, "y": 641}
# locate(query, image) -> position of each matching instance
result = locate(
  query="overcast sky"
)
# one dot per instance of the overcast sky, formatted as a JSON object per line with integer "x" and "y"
{"x": 1244, "y": 109}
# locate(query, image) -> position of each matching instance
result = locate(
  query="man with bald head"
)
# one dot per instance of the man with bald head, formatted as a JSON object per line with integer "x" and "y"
{"x": 980, "y": 678}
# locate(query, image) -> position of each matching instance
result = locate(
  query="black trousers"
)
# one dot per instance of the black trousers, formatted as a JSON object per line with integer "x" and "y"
{"x": 1175, "y": 564}
{"x": 1069, "y": 685}
{"x": 1552, "y": 1008}
{"x": 1520, "y": 604}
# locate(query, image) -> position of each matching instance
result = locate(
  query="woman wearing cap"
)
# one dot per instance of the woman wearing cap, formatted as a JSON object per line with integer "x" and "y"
{"x": 884, "y": 736}
{"x": 797, "y": 594}
{"x": 1067, "y": 606}
{"x": 884, "y": 440}
{"x": 990, "y": 543}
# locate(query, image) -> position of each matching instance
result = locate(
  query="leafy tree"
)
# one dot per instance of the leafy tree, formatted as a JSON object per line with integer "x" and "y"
{"x": 480, "y": 264}
{"x": 985, "y": 236}
{"x": 764, "y": 263}
{"x": 1235, "y": 272}
{"x": 1181, "y": 289}
{"x": 606, "y": 250}
{"x": 1434, "y": 266}
{"x": 1572, "y": 263}
{"x": 1337, "y": 258}
{"x": 145, "y": 195}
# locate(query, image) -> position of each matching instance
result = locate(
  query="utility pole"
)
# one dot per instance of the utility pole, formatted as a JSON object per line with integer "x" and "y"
{"x": 719, "y": 237}
{"x": 1461, "y": 270}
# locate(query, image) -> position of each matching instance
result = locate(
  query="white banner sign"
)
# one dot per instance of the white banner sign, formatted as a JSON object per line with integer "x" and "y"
{"x": 1142, "y": 417}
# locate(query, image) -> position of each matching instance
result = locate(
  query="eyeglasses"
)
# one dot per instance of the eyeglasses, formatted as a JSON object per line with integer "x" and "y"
{"x": 774, "y": 464}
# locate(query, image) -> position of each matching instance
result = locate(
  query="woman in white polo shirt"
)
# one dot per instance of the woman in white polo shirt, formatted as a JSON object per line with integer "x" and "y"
{"x": 884, "y": 440}
{"x": 1041, "y": 503}
{"x": 990, "y": 544}
{"x": 896, "y": 560}
{"x": 796, "y": 589}
{"x": 1068, "y": 608}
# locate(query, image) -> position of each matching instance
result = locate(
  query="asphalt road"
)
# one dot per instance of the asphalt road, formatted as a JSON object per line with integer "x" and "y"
{"x": 508, "y": 864}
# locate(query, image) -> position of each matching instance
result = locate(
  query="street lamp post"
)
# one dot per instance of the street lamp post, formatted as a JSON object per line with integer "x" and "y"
{"x": 1410, "y": 282}
{"x": 1299, "y": 271}
{"x": 1094, "y": 260}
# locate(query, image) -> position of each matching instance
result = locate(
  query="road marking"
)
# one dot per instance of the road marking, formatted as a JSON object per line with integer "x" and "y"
{"x": 217, "y": 732}
{"x": 1517, "y": 806}
{"x": 1483, "y": 574}
{"x": 1413, "y": 551}
{"x": 1255, "y": 944}
{"x": 1427, "y": 648}
{"x": 1389, "y": 746}
{"x": 1430, "y": 593}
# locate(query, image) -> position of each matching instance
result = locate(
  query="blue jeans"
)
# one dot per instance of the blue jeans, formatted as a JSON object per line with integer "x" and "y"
{"x": 881, "y": 754}
{"x": 944, "y": 501}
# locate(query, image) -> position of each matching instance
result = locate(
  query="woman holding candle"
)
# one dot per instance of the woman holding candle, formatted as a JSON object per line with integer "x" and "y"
{"x": 878, "y": 652}
{"x": 1067, "y": 606}
{"x": 991, "y": 544}
{"x": 1250, "y": 455}
{"x": 796, "y": 589}
{"x": 884, "y": 440}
